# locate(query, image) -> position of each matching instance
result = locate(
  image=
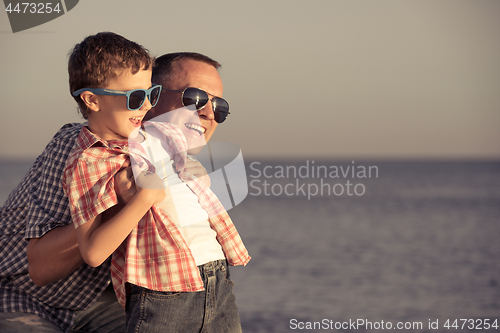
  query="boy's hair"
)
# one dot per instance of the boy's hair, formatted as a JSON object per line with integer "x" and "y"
{"x": 165, "y": 64}
{"x": 99, "y": 58}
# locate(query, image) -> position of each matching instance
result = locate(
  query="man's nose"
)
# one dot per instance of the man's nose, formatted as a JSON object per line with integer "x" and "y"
{"x": 207, "y": 111}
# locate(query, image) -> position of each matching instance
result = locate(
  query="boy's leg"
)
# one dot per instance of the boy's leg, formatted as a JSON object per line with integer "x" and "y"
{"x": 212, "y": 310}
{"x": 150, "y": 311}
{"x": 105, "y": 316}
{"x": 221, "y": 314}
{"x": 16, "y": 322}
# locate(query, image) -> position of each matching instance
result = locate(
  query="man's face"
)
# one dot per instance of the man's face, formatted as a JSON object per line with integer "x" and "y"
{"x": 197, "y": 126}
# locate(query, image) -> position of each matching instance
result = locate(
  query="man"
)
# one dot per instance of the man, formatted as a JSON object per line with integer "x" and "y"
{"x": 199, "y": 244}
{"x": 39, "y": 255}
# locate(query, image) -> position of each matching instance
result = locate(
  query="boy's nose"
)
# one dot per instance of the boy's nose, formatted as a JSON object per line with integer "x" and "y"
{"x": 147, "y": 104}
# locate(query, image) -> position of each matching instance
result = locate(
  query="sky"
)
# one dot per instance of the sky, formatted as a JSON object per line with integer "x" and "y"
{"x": 384, "y": 79}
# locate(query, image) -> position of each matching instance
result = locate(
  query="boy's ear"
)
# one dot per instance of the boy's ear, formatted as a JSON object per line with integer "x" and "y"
{"x": 91, "y": 100}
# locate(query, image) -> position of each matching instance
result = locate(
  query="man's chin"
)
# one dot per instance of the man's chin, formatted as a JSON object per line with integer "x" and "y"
{"x": 195, "y": 145}
{"x": 195, "y": 150}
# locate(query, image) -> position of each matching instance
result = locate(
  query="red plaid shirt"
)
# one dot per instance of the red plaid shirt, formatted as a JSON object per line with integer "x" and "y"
{"x": 154, "y": 255}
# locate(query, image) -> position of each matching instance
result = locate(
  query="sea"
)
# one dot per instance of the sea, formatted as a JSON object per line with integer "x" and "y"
{"x": 364, "y": 246}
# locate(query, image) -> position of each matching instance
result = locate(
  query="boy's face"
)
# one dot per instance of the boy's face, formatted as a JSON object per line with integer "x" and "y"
{"x": 112, "y": 120}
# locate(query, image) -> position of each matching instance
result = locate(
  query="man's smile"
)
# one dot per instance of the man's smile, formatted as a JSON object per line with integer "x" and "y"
{"x": 194, "y": 127}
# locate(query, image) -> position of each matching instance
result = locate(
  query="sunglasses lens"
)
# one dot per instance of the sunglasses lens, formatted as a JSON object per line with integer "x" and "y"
{"x": 136, "y": 99}
{"x": 221, "y": 109}
{"x": 194, "y": 98}
{"x": 155, "y": 94}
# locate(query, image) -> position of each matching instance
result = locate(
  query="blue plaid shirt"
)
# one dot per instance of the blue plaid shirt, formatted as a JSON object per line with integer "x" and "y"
{"x": 36, "y": 206}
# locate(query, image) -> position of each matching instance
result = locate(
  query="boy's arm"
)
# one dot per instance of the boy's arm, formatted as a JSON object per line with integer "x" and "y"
{"x": 97, "y": 241}
{"x": 56, "y": 254}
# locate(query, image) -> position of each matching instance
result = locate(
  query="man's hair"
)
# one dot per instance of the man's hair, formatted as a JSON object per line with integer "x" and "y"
{"x": 165, "y": 64}
{"x": 99, "y": 58}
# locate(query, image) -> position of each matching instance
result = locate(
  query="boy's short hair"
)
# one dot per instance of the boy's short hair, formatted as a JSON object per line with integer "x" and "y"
{"x": 98, "y": 59}
{"x": 164, "y": 65}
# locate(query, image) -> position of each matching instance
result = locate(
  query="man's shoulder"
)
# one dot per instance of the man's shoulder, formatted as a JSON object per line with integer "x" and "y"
{"x": 38, "y": 203}
{"x": 64, "y": 140}
{"x": 70, "y": 130}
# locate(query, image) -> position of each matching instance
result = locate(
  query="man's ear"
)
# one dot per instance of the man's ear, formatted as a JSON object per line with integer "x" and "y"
{"x": 91, "y": 100}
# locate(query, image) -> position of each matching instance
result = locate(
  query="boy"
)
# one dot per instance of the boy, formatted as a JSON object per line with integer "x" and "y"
{"x": 114, "y": 96}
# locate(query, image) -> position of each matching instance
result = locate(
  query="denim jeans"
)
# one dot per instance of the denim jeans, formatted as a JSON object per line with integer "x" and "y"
{"x": 212, "y": 310}
{"x": 105, "y": 316}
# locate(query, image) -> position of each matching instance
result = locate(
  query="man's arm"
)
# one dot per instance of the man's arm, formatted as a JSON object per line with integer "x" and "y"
{"x": 56, "y": 254}
{"x": 53, "y": 256}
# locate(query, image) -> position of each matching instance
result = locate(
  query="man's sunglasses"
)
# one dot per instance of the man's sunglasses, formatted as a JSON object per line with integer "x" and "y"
{"x": 197, "y": 98}
{"x": 135, "y": 98}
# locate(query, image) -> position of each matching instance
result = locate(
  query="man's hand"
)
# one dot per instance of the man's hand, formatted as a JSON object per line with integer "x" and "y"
{"x": 196, "y": 169}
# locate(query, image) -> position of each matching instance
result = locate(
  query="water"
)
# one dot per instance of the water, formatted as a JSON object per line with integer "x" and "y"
{"x": 421, "y": 243}
{"x": 11, "y": 173}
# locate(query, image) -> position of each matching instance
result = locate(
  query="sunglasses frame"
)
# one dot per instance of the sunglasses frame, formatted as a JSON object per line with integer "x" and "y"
{"x": 111, "y": 92}
{"x": 208, "y": 97}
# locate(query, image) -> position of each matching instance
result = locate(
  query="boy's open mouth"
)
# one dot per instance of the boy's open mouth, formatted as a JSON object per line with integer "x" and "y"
{"x": 136, "y": 121}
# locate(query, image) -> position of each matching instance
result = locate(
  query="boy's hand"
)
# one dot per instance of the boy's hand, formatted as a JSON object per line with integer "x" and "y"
{"x": 196, "y": 169}
{"x": 125, "y": 184}
{"x": 125, "y": 190}
{"x": 149, "y": 184}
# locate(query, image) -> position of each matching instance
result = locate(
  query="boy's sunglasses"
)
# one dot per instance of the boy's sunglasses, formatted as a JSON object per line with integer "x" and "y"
{"x": 135, "y": 98}
{"x": 199, "y": 98}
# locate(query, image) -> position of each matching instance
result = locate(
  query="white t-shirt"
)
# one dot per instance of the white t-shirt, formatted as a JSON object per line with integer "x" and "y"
{"x": 192, "y": 219}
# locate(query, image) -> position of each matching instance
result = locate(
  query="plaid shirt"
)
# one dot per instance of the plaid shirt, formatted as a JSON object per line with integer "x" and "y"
{"x": 35, "y": 207}
{"x": 154, "y": 255}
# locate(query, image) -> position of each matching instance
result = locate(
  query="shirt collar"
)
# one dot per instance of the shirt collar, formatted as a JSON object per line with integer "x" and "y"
{"x": 88, "y": 139}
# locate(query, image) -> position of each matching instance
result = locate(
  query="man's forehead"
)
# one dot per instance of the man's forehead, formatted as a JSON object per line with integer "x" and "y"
{"x": 188, "y": 72}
